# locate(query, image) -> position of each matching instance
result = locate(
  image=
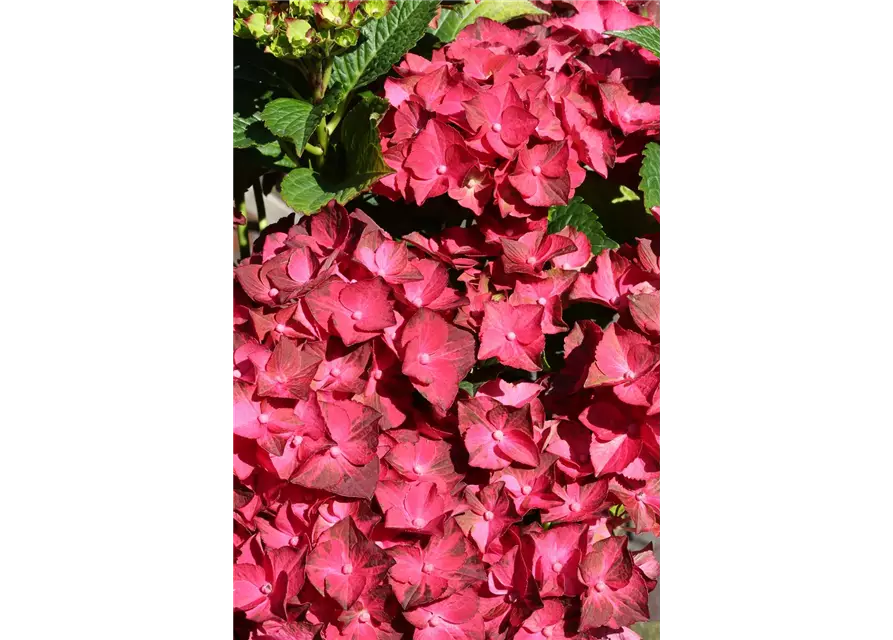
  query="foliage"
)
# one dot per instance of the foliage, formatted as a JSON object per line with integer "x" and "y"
{"x": 305, "y": 84}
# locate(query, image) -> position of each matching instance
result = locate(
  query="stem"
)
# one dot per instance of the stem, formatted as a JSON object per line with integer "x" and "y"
{"x": 339, "y": 113}
{"x": 291, "y": 150}
{"x": 319, "y": 91}
{"x": 259, "y": 202}
{"x": 312, "y": 149}
{"x": 327, "y": 75}
{"x": 244, "y": 249}
{"x": 323, "y": 138}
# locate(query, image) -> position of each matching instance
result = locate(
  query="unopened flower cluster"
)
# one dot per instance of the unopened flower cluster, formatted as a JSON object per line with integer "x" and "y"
{"x": 376, "y": 497}
{"x": 300, "y": 28}
{"x": 514, "y": 117}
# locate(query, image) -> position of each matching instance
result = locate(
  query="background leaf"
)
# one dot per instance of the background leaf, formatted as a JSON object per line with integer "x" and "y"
{"x": 254, "y": 86}
{"x": 306, "y": 192}
{"x": 644, "y": 36}
{"x": 471, "y": 388}
{"x": 580, "y": 216}
{"x": 382, "y": 43}
{"x": 243, "y": 138}
{"x": 360, "y": 138}
{"x": 293, "y": 119}
{"x": 650, "y": 173}
{"x": 456, "y": 19}
{"x": 249, "y": 99}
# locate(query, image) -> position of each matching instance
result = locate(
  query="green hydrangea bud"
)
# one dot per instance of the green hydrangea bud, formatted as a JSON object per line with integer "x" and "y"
{"x": 247, "y": 7}
{"x": 346, "y": 37}
{"x": 298, "y": 32}
{"x": 300, "y": 8}
{"x": 280, "y": 47}
{"x": 257, "y": 25}
{"x": 374, "y": 8}
{"x": 336, "y": 13}
{"x": 239, "y": 29}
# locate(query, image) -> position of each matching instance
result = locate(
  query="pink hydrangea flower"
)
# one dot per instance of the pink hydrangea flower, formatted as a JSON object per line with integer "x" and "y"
{"x": 446, "y": 565}
{"x": 541, "y": 174}
{"x": 436, "y": 356}
{"x": 437, "y": 161}
{"x": 488, "y": 515}
{"x": 616, "y": 594}
{"x": 344, "y": 564}
{"x": 354, "y": 311}
{"x": 496, "y": 436}
{"x": 512, "y": 334}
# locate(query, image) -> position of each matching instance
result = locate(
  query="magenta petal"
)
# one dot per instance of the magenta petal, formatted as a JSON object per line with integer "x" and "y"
{"x": 422, "y": 163}
{"x": 520, "y": 447}
{"x": 526, "y": 183}
{"x": 517, "y": 126}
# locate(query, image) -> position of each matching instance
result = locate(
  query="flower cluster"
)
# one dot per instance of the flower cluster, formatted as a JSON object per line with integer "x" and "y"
{"x": 374, "y": 497}
{"x": 511, "y": 117}
{"x": 300, "y": 28}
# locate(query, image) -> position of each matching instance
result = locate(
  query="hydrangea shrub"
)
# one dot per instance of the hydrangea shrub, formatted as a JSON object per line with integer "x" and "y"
{"x": 431, "y": 438}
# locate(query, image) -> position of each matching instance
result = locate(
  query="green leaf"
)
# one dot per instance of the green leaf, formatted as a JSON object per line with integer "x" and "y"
{"x": 306, "y": 191}
{"x": 248, "y": 101}
{"x": 650, "y": 173}
{"x": 470, "y": 387}
{"x": 278, "y": 159}
{"x": 453, "y": 21}
{"x": 292, "y": 119}
{"x": 580, "y": 216}
{"x": 378, "y": 106}
{"x": 644, "y": 36}
{"x": 382, "y": 43}
{"x": 249, "y": 131}
{"x": 241, "y": 140}
{"x": 250, "y": 97}
{"x": 361, "y": 140}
